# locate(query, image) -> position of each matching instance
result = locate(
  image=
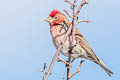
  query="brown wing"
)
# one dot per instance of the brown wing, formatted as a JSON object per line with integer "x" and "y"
{"x": 84, "y": 44}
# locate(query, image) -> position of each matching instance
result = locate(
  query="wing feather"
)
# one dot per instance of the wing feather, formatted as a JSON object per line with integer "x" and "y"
{"x": 84, "y": 44}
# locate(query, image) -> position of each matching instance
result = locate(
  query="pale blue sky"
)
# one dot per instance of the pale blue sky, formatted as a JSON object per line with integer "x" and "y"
{"x": 25, "y": 40}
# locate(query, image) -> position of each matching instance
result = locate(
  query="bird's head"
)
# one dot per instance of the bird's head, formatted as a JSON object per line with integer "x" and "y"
{"x": 56, "y": 18}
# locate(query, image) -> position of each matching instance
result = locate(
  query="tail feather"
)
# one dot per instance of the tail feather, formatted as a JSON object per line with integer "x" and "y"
{"x": 108, "y": 71}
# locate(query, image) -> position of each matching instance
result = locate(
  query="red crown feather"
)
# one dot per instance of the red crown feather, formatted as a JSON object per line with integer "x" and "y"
{"x": 52, "y": 14}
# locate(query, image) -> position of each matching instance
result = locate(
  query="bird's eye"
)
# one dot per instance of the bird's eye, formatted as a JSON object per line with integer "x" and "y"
{"x": 56, "y": 17}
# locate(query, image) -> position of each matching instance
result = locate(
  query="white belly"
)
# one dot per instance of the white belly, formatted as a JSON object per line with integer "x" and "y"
{"x": 76, "y": 52}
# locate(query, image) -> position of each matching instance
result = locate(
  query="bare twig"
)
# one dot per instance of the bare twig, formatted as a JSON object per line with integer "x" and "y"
{"x": 42, "y": 77}
{"x": 68, "y": 66}
{"x": 58, "y": 52}
{"x": 60, "y": 60}
{"x": 87, "y": 21}
{"x": 43, "y": 71}
{"x": 73, "y": 24}
{"x": 74, "y": 2}
{"x": 81, "y": 5}
{"x": 53, "y": 61}
{"x": 78, "y": 69}
{"x": 67, "y": 1}
{"x": 67, "y": 13}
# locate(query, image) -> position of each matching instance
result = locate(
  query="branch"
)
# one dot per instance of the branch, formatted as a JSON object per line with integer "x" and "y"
{"x": 79, "y": 8}
{"x": 87, "y": 21}
{"x": 61, "y": 60}
{"x": 67, "y": 13}
{"x": 68, "y": 66}
{"x": 58, "y": 52}
{"x": 75, "y": 15}
{"x": 67, "y": 1}
{"x": 43, "y": 71}
{"x": 78, "y": 69}
{"x": 42, "y": 77}
{"x": 75, "y": 2}
{"x": 73, "y": 24}
{"x": 53, "y": 61}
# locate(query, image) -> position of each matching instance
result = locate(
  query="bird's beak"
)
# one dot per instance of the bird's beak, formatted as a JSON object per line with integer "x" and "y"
{"x": 49, "y": 20}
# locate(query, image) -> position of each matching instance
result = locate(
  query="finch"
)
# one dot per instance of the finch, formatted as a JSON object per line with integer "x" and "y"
{"x": 59, "y": 25}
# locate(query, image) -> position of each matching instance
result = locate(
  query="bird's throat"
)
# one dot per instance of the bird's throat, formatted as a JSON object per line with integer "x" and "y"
{"x": 54, "y": 26}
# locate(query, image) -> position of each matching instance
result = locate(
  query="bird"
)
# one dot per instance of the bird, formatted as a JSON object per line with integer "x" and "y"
{"x": 59, "y": 25}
